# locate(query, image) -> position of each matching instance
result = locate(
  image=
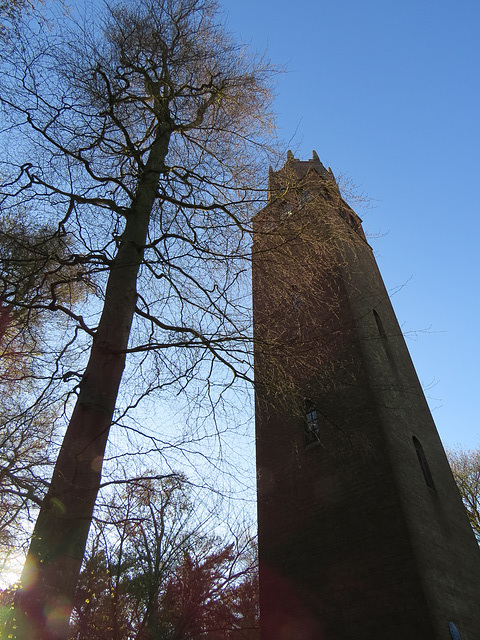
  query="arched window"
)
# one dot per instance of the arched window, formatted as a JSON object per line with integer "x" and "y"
{"x": 423, "y": 463}
{"x": 311, "y": 422}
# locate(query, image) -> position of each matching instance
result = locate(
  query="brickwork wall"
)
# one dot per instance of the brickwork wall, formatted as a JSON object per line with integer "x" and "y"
{"x": 352, "y": 541}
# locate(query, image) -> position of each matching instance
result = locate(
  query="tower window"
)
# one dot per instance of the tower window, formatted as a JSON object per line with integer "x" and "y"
{"x": 454, "y": 632}
{"x": 379, "y": 322}
{"x": 311, "y": 422}
{"x": 423, "y": 463}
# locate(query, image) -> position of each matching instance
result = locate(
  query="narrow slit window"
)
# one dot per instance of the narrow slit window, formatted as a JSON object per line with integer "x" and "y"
{"x": 423, "y": 463}
{"x": 311, "y": 422}
{"x": 296, "y": 300}
{"x": 454, "y": 632}
{"x": 379, "y": 322}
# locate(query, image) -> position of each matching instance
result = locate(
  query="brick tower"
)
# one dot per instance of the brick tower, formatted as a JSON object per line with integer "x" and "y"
{"x": 362, "y": 532}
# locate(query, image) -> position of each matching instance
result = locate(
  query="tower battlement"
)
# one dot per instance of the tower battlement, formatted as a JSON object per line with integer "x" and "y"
{"x": 295, "y": 173}
{"x": 302, "y": 185}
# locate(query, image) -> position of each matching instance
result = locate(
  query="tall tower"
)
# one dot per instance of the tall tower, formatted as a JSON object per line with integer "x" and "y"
{"x": 362, "y": 532}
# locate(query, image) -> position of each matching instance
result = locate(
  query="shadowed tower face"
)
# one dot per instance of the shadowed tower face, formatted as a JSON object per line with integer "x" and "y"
{"x": 362, "y": 532}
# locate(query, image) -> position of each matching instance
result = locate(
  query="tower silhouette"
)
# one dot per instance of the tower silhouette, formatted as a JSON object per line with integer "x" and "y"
{"x": 362, "y": 531}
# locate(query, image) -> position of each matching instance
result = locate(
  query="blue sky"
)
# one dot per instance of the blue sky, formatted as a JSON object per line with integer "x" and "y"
{"x": 389, "y": 92}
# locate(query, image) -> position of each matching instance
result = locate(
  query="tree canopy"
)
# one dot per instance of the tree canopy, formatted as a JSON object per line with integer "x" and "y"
{"x": 154, "y": 569}
{"x": 136, "y": 132}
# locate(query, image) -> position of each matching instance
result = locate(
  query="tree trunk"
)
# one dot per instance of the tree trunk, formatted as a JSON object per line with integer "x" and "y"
{"x": 43, "y": 604}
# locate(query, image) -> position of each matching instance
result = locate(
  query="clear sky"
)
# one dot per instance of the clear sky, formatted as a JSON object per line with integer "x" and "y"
{"x": 388, "y": 91}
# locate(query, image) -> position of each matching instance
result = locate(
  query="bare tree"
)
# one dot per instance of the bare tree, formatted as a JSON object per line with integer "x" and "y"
{"x": 10, "y": 11}
{"x": 28, "y": 265}
{"x": 140, "y": 139}
{"x": 25, "y": 464}
{"x": 465, "y": 464}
